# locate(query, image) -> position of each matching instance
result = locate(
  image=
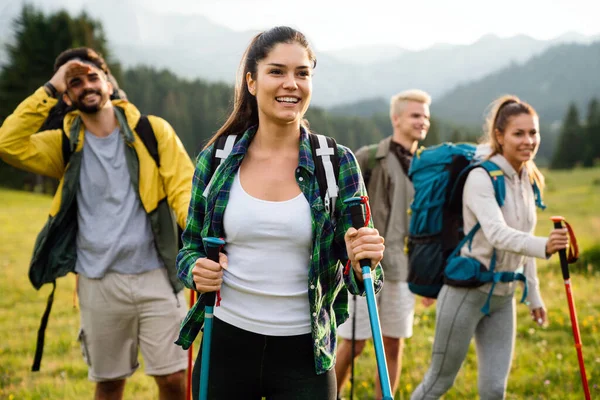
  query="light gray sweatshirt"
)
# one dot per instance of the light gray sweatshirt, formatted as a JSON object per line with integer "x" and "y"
{"x": 508, "y": 229}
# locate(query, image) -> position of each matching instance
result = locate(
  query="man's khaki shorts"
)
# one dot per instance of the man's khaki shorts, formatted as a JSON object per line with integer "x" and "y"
{"x": 396, "y": 306}
{"x": 120, "y": 311}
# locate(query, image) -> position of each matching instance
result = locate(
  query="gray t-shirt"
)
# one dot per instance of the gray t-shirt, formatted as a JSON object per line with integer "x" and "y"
{"x": 114, "y": 232}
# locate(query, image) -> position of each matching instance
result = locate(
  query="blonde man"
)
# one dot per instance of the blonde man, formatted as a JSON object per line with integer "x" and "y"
{"x": 385, "y": 170}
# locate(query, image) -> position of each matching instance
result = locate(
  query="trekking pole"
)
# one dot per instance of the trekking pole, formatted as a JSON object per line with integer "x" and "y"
{"x": 212, "y": 245}
{"x": 358, "y": 221}
{"x": 353, "y": 348}
{"x": 564, "y": 265}
{"x": 188, "y": 393}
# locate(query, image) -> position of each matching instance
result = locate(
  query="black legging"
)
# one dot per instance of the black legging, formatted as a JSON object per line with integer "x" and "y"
{"x": 248, "y": 366}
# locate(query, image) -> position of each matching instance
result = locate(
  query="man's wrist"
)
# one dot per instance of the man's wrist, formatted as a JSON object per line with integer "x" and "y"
{"x": 51, "y": 90}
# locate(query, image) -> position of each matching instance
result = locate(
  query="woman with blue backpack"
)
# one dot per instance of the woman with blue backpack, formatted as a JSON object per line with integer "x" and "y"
{"x": 280, "y": 275}
{"x": 499, "y": 220}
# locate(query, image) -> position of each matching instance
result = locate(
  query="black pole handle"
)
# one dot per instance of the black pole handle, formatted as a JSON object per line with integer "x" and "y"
{"x": 564, "y": 265}
{"x": 358, "y": 221}
{"x": 212, "y": 253}
{"x": 212, "y": 245}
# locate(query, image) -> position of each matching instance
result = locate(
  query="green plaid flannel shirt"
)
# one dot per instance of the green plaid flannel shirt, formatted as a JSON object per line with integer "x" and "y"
{"x": 326, "y": 280}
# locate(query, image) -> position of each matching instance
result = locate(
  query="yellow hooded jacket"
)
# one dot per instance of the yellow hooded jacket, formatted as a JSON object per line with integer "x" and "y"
{"x": 164, "y": 190}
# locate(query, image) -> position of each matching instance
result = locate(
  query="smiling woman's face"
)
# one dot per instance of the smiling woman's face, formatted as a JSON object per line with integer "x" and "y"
{"x": 520, "y": 140}
{"x": 283, "y": 84}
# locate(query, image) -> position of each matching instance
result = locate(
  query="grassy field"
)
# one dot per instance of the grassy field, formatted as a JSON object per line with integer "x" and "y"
{"x": 545, "y": 364}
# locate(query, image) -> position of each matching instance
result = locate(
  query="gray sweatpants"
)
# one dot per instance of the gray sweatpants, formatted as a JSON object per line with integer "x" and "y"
{"x": 458, "y": 319}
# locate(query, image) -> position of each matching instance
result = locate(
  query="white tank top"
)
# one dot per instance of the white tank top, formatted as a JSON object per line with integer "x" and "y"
{"x": 265, "y": 288}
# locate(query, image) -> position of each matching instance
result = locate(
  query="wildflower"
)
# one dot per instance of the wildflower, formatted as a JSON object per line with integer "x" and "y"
{"x": 559, "y": 356}
{"x": 547, "y": 382}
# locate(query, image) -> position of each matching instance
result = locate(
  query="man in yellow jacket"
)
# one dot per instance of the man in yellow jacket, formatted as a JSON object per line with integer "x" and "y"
{"x": 113, "y": 221}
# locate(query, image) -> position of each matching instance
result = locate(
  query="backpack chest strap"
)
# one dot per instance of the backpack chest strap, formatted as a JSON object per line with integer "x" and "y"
{"x": 495, "y": 277}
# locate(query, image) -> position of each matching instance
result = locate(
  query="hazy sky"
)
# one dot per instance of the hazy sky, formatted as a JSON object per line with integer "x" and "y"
{"x": 335, "y": 24}
{"x": 332, "y": 24}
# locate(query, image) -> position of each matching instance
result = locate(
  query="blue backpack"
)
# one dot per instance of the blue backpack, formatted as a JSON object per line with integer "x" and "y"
{"x": 438, "y": 174}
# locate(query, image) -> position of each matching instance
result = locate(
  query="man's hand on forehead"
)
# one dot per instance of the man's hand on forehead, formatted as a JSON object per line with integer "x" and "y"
{"x": 75, "y": 68}
{"x": 70, "y": 70}
{"x": 67, "y": 71}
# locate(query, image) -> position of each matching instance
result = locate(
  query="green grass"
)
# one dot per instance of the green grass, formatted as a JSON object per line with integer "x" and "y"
{"x": 544, "y": 367}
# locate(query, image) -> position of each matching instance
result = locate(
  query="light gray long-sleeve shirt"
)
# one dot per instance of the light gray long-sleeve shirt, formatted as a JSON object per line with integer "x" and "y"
{"x": 508, "y": 229}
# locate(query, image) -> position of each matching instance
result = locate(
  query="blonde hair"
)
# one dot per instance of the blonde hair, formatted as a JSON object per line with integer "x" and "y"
{"x": 398, "y": 101}
{"x": 501, "y": 111}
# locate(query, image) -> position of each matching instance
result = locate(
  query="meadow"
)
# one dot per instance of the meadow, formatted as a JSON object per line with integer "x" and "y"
{"x": 544, "y": 367}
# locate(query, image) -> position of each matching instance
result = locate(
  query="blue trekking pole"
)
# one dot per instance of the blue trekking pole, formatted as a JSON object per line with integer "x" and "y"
{"x": 353, "y": 347}
{"x": 212, "y": 245}
{"x": 358, "y": 221}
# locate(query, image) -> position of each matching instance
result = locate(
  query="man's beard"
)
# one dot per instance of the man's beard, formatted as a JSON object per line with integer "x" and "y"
{"x": 91, "y": 109}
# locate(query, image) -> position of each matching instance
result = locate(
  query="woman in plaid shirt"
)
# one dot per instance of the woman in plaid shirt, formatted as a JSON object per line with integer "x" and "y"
{"x": 282, "y": 279}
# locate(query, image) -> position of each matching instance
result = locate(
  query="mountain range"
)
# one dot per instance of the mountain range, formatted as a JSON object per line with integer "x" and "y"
{"x": 550, "y": 81}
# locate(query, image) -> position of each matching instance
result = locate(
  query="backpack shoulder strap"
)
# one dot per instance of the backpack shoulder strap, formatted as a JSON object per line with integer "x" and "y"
{"x": 69, "y": 144}
{"x": 327, "y": 168}
{"x": 537, "y": 195}
{"x": 66, "y": 148}
{"x": 372, "y": 156}
{"x": 220, "y": 151}
{"x": 146, "y": 133}
{"x": 371, "y": 162}
{"x": 39, "y": 345}
{"x": 498, "y": 181}
{"x": 497, "y": 177}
